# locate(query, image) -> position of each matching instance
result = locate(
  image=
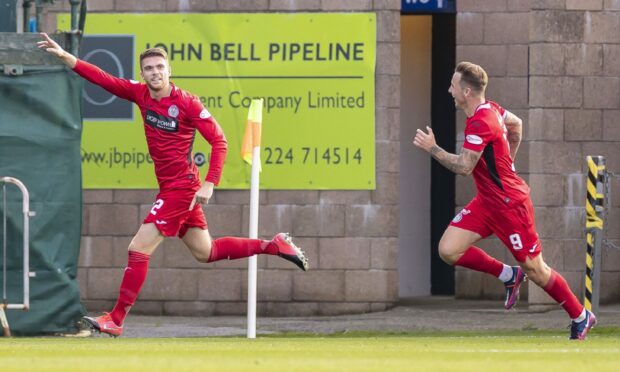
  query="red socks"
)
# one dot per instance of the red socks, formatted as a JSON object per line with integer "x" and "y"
{"x": 559, "y": 290}
{"x": 230, "y": 248}
{"x": 138, "y": 265}
{"x": 476, "y": 259}
{"x": 135, "y": 274}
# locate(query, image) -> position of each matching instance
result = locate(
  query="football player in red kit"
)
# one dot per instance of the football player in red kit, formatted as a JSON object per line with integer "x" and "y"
{"x": 171, "y": 118}
{"x": 502, "y": 205}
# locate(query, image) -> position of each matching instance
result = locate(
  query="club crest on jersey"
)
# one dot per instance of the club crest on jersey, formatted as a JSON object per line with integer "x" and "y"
{"x": 173, "y": 111}
{"x": 473, "y": 139}
{"x": 162, "y": 122}
{"x": 459, "y": 216}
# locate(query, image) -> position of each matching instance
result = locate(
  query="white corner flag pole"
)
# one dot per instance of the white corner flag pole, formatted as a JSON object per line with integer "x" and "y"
{"x": 256, "y": 116}
{"x": 252, "y": 262}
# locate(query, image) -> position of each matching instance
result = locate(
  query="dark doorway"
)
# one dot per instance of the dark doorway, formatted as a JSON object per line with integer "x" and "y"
{"x": 443, "y": 117}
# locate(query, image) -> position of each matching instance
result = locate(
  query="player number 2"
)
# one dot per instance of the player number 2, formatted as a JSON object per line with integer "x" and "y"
{"x": 158, "y": 204}
{"x": 515, "y": 240}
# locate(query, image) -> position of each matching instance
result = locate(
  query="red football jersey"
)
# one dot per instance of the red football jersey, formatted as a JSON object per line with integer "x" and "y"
{"x": 170, "y": 126}
{"x": 496, "y": 180}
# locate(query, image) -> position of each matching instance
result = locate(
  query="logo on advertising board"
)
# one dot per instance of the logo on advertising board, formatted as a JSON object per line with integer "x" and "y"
{"x": 115, "y": 55}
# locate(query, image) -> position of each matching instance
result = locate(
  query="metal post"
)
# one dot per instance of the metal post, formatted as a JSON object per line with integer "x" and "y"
{"x": 6, "y": 330}
{"x": 74, "y": 26}
{"x": 25, "y": 305}
{"x": 26, "y": 6}
{"x": 38, "y": 8}
{"x": 595, "y": 206}
{"x": 4, "y": 300}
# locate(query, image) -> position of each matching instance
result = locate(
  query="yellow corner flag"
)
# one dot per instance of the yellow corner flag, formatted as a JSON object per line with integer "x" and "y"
{"x": 251, "y": 137}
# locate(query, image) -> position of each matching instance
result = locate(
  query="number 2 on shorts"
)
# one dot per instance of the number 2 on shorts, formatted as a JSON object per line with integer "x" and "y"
{"x": 157, "y": 205}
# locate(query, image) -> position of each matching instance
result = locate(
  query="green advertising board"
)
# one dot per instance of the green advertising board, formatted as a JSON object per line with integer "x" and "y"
{"x": 314, "y": 71}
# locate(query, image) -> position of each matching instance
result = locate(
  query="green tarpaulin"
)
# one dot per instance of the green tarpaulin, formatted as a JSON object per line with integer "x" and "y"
{"x": 40, "y": 130}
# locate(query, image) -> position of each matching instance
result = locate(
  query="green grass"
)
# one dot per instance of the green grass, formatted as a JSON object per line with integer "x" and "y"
{"x": 358, "y": 351}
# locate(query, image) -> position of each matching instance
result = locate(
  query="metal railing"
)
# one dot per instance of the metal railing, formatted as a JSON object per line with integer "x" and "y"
{"x": 25, "y": 305}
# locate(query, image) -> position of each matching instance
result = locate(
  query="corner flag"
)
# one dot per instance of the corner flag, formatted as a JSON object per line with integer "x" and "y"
{"x": 251, "y": 137}
{"x": 250, "y": 153}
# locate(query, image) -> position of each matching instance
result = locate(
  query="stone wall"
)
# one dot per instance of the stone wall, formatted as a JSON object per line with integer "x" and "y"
{"x": 556, "y": 65}
{"x": 351, "y": 237}
{"x": 574, "y": 102}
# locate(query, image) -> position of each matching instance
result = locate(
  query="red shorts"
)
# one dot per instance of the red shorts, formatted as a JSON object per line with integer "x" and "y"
{"x": 515, "y": 227}
{"x": 171, "y": 214}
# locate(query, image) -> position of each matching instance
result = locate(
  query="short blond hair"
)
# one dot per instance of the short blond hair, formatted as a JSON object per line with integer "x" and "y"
{"x": 473, "y": 76}
{"x": 153, "y": 52}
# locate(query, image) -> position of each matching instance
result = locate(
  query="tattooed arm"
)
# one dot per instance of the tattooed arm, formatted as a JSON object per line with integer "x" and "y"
{"x": 462, "y": 164}
{"x": 514, "y": 126}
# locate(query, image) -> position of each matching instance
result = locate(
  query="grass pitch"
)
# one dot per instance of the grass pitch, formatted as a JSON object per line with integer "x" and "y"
{"x": 461, "y": 351}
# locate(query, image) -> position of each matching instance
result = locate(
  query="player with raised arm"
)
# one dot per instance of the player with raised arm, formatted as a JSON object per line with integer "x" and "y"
{"x": 502, "y": 205}
{"x": 171, "y": 118}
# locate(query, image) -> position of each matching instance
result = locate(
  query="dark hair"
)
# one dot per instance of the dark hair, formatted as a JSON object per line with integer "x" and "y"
{"x": 473, "y": 75}
{"x": 153, "y": 52}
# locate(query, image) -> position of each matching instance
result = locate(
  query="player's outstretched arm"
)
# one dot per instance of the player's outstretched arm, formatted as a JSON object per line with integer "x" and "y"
{"x": 52, "y": 47}
{"x": 122, "y": 88}
{"x": 462, "y": 164}
{"x": 514, "y": 126}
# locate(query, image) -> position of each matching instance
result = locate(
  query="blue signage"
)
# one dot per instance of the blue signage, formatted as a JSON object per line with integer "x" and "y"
{"x": 428, "y": 6}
